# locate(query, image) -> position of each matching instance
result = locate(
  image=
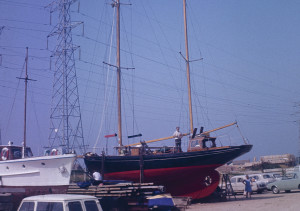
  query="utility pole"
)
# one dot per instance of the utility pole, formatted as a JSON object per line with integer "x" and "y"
{"x": 66, "y": 123}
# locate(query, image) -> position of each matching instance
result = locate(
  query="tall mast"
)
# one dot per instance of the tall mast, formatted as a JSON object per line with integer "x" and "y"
{"x": 26, "y": 79}
{"x": 25, "y": 104}
{"x": 119, "y": 75}
{"x": 188, "y": 66}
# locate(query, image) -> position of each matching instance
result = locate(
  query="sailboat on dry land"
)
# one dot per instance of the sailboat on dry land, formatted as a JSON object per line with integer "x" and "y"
{"x": 191, "y": 173}
{"x": 23, "y": 175}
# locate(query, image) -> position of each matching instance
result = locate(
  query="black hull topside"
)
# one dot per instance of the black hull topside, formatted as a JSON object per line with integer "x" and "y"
{"x": 211, "y": 157}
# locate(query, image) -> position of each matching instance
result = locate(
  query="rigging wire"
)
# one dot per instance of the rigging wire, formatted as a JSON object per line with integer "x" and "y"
{"x": 14, "y": 100}
{"x": 106, "y": 91}
{"x": 132, "y": 77}
{"x": 161, "y": 51}
{"x": 90, "y": 72}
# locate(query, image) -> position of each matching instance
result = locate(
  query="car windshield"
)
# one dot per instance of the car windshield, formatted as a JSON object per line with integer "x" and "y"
{"x": 277, "y": 175}
{"x": 266, "y": 176}
{"x": 75, "y": 206}
{"x": 91, "y": 206}
{"x": 27, "y": 206}
{"x": 49, "y": 206}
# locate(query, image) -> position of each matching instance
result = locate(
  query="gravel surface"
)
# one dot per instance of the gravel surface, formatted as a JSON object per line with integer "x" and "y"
{"x": 265, "y": 201}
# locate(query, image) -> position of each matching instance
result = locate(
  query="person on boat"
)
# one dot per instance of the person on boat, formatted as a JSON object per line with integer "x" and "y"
{"x": 178, "y": 135}
{"x": 248, "y": 189}
{"x": 97, "y": 178}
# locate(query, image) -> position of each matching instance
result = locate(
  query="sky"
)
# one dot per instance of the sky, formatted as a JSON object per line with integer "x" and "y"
{"x": 245, "y": 68}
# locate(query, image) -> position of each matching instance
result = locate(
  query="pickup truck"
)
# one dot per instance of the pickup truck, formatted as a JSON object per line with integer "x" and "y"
{"x": 60, "y": 202}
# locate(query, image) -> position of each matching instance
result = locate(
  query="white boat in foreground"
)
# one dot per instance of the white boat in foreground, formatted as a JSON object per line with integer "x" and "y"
{"x": 30, "y": 175}
{"x": 15, "y": 171}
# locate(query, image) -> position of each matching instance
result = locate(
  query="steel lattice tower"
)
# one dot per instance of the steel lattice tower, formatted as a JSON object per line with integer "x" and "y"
{"x": 66, "y": 124}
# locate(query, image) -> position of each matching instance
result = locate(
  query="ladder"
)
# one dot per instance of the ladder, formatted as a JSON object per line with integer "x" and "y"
{"x": 226, "y": 186}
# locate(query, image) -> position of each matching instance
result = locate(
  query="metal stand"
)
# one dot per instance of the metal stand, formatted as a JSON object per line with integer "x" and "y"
{"x": 226, "y": 186}
{"x": 141, "y": 164}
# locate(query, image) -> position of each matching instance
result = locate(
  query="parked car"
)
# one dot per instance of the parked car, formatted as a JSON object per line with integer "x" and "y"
{"x": 276, "y": 176}
{"x": 287, "y": 183}
{"x": 262, "y": 179}
{"x": 60, "y": 202}
{"x": 238, "y": 186}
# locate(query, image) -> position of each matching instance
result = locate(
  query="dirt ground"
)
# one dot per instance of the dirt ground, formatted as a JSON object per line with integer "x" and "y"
{"x": 265, "y": 201}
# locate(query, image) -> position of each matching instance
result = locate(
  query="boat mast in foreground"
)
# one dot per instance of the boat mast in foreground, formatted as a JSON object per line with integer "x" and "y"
{"x": 188, "y": 67}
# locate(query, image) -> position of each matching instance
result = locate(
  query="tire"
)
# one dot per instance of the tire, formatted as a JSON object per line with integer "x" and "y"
{"x": 299, "y": 186}
{"x": 275, "y": 190}
{"x": 259, "y": 191}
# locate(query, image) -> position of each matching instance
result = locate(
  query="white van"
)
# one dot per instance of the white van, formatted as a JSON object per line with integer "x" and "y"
{"x": 60, "y": 202}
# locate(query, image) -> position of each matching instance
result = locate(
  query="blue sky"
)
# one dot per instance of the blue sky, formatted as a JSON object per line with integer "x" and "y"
{"x": 249, "y": 72}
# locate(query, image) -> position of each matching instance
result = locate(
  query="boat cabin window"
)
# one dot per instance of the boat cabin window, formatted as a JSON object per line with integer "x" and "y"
{"x": 195, "y": 143}
{"x": 209, "y": 142}
{"x": 28, "y": 153}
{"x": 49, "y": 206}
{"x": 204, "y": 143}
{"x": 17, "y": 153}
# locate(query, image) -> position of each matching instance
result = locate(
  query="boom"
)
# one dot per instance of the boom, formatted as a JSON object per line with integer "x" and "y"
{"x": 185, "y": 134}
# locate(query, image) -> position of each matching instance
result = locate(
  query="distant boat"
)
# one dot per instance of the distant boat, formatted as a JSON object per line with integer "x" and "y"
{"x": 24, "y": 175}
{"x": 190, "y": 173}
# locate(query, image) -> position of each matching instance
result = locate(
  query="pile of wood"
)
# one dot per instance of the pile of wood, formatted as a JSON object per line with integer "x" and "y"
{"x": 118, "y": 190}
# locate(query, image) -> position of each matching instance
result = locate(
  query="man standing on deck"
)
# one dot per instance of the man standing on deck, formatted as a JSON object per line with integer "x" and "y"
{"x": 177, "y": 135}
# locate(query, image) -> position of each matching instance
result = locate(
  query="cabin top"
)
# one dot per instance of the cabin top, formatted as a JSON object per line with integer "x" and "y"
{"x": 201, "y": 142}
{"x": 12, "y": 152}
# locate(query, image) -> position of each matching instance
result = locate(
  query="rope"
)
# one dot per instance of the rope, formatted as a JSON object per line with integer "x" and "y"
{"x": 105, "y": 94}
{"x": 244, "y": 139}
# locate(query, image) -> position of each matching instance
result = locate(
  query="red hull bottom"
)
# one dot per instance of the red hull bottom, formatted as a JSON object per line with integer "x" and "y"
{"x": 193, "y": 181}
{"x": 19, "y": 193}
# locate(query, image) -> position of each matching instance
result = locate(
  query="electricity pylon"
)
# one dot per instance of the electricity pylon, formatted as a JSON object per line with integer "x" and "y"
{"x": 66, "y": 123}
